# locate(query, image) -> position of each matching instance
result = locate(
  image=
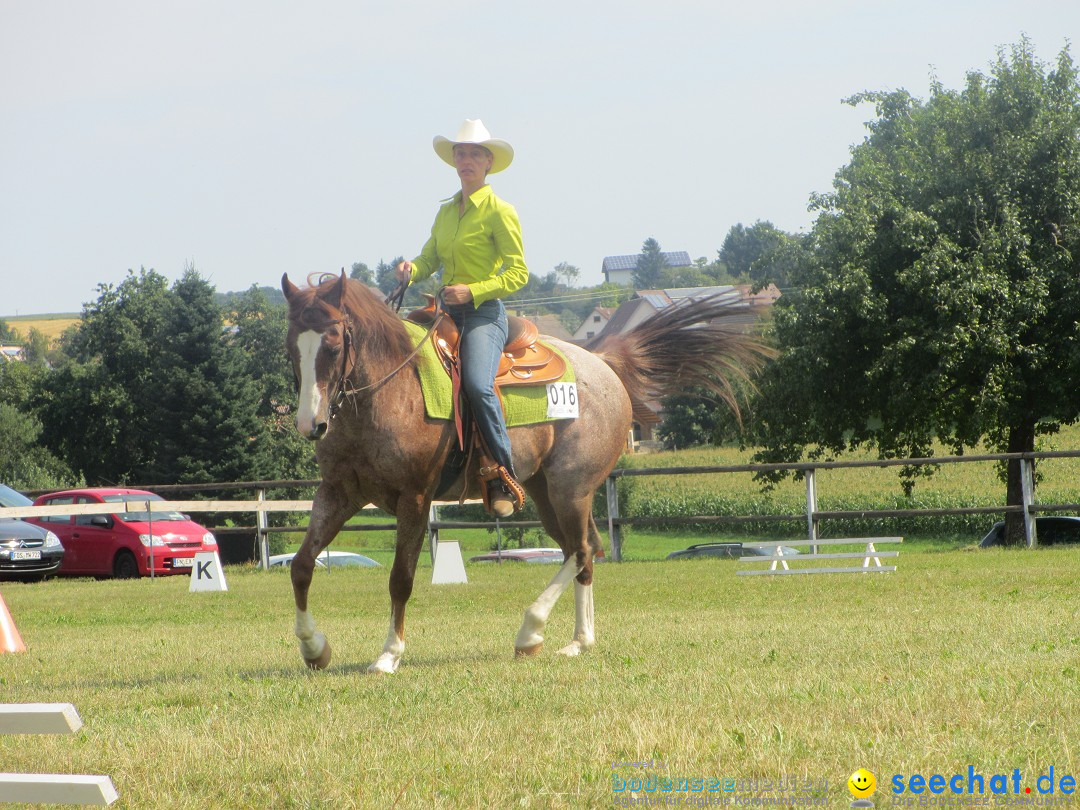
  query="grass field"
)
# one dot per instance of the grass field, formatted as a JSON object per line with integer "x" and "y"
{"x": 52, "y": 326}
{"x": 200, "y": 700}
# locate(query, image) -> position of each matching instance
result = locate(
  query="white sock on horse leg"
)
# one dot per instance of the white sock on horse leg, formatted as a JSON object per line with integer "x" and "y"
{"x": 532, "y": 626}
{"x": 584, "y": 635}
{"x": 312, "y": 642}
{"x": 393, "y": 649}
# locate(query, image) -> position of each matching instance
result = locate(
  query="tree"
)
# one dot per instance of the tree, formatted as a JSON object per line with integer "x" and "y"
{"x": 692, "y": 276}
{"x": 568, "y": 272}
{"x": 7, "y": 334}
{"x": 37, "y": 346}
{"x": 944, "y": 282}
{"x": 261, "y": 328}
{"x": 762, "y": 253}
{"x": 386, "y": 274}
{"x": 649, "y": 273}
{"x": 362, "y": 273}
{"x": 25, "y": 464}
{"x": 202, "y": 410}
{"x": 155, "y": 390}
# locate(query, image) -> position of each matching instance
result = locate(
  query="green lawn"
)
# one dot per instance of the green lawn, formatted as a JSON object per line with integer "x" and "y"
{"x": 958, "y": 659}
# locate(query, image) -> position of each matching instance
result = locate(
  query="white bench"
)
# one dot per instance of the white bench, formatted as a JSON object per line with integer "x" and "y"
{"x": 778, "y": 558}
{"x": 35, "y": 788}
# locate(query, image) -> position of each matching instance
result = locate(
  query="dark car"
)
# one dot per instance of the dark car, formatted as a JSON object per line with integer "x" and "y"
{"x": 728, "y": 551}
{"x": 27, "y": 551}
{"x": 1049, "y": 531}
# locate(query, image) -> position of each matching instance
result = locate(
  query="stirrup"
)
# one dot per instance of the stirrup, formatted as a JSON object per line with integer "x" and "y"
{"x": 497, "y": 476}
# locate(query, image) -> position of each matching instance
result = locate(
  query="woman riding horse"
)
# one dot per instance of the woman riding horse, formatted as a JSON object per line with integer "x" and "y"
{"x": 476, "y": 239}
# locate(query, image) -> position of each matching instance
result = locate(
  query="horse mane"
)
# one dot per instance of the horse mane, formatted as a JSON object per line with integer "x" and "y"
{"x": 376, "y": 327}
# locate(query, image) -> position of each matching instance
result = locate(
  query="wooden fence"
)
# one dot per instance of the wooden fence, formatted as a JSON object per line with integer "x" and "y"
{"x": 261, "y": 506}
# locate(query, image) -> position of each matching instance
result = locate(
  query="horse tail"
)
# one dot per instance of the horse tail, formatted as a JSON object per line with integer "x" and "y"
{"x": 692, "y": 343}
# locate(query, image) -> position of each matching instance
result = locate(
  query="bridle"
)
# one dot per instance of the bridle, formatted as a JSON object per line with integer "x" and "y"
{"x": 344, "y": 388}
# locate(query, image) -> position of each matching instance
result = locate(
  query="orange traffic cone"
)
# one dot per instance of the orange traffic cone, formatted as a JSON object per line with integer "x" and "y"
{"x": 10, "y": 640}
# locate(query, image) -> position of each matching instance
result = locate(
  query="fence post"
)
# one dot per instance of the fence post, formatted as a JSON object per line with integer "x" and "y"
{"x": 811, "y": 508}
{"x": 1027, "y": 486}
{"x": 614, "y": 529}
{"x": 262, "y": 537}
{"x": 433, "y": 533}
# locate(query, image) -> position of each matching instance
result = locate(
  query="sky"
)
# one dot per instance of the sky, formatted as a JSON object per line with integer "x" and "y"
{"x": 252, "y": 138}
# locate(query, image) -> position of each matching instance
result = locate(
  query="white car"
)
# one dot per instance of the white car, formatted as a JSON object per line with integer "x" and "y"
{"x": 334, "y": 558}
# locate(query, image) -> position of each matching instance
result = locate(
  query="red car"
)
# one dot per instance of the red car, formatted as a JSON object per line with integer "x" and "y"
{"x": 122, "y": 545}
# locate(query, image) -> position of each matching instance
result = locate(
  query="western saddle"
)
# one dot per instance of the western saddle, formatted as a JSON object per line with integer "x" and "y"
{"x": 524, "y": 361}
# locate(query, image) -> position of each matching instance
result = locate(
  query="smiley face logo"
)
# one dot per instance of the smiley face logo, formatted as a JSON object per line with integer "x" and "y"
{"x": 861, "y": 783}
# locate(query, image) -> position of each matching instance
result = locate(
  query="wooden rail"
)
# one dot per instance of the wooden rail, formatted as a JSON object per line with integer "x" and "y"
{"x": 813, "y": 516}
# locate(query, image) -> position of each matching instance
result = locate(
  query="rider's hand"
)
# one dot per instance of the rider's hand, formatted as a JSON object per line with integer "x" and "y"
{"x": 457, "y": 294}
{"x": 404, "y": 271}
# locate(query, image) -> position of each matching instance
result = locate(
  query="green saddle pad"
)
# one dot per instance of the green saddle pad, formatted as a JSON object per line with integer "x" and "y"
{"x": 522, "y": 404}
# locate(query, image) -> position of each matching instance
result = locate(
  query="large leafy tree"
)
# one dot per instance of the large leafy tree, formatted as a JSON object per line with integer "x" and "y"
{"x": 156, "y": 390}
{"x": 24, "y": 462}
{"x": 763, "y": 254}
{"x": 943, "y": 290}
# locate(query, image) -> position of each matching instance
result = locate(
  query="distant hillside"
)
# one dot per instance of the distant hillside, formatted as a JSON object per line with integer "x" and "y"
{"x": 52, "y": 324}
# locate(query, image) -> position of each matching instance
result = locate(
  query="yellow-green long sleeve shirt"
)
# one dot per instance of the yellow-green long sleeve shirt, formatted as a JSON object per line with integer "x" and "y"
{"x": 472, "y": 248}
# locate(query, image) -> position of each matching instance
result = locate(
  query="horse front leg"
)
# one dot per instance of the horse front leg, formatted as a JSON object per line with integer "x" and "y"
{"x": 330, "y": 510}
{"x": 412, "y": 522}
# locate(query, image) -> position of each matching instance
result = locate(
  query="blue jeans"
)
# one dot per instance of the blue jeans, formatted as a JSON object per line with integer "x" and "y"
{"x": 483, "y": 336}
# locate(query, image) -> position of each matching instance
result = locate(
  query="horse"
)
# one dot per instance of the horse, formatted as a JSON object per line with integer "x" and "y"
{"x": 359, "y": 399}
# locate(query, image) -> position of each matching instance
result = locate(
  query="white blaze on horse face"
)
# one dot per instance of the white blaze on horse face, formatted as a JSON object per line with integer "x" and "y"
{"x": 307, "y": 345}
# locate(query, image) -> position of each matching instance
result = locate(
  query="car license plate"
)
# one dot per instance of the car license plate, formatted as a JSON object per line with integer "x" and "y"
{"x": 26, "y": 555}
{"x": 182, "y": 562}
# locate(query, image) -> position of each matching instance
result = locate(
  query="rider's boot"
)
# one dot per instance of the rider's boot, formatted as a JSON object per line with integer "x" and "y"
{"x": 503, "y": 495}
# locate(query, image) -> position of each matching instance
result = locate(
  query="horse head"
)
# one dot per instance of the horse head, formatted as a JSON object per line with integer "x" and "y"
{"x": 319, "y": 344}
{"x": 343, "y": 341}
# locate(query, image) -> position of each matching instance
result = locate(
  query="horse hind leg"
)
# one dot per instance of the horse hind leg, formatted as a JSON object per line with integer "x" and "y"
{"x": 584, "y": 625}
{"x": 530, "y": 638}
{"x": 578, "y": 564}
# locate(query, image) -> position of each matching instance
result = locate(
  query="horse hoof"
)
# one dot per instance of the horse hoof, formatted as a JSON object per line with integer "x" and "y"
{"x": 532, "y": 649}
{"x": 383, "y": 666}
{"x": 571, "y": 649}
{"x": 322, "y": 660}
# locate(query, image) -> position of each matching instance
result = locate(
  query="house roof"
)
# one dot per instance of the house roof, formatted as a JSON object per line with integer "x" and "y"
{"x": 622, "y": 317}
{"x": 762, "y": 297}
{"x": 677, "y": 258}
{"x": 665, "y": 298}
{"x": 551, "y": 326}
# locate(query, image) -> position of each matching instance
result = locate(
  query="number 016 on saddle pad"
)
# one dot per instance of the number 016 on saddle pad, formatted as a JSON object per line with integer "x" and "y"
{"x": 523, "y": 404}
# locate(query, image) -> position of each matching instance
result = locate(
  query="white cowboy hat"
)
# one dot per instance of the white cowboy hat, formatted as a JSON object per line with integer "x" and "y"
{"x": 474, "y": 131}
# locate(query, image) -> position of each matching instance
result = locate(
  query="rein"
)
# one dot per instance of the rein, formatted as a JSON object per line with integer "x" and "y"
{"x": 344, "y": 389}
